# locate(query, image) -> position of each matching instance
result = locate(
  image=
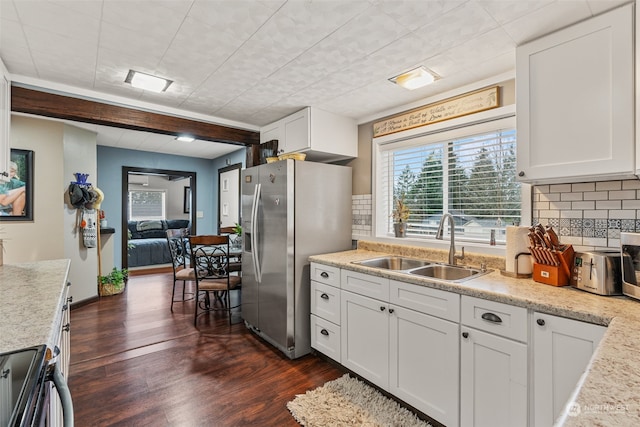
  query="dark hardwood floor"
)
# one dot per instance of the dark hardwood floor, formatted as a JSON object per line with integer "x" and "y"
{"x": 134, "y": 363}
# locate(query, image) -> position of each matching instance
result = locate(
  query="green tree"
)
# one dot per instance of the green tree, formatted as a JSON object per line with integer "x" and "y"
{"x": 427, "y": 189}
{"x": 404, "y": 183}
{"x": 485, "y": 189}
{"x": 458, "y": 182}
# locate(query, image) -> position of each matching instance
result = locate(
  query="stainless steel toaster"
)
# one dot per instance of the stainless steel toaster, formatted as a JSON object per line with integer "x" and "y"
{"x": 599, "y": 272}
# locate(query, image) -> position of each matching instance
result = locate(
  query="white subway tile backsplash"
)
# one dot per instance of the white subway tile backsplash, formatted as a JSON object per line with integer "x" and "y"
{"x": 609, "y": 205}
{"x": 560, "y": 188}
{"x": 571, "y": 240}
{"x": 542, "y": 188}
{"x": 589, "y": 215}
{"x": 593, "y": 241}
{"x": 571, "y": 214}
{"x": 583, "y": 205}
{"x": 361, "y": 210}
{"x": 631, "y": 184}
{"x": 549, "y": 197}
{"x": 608, "y": 185}
{"x": 550, "y": 214}
{"x": 596, "y": 214}
{"x": 596, "y": 195}
{"x": 622, "y": 195}
{"x": 583, "y": 186}
{"x": 568, "y": 197}
{"x": 622, "y": 214}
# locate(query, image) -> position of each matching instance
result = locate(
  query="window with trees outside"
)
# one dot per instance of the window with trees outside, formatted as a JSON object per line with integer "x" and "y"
{"x": 147, "y": 205}
{"x": 469, "y": 172}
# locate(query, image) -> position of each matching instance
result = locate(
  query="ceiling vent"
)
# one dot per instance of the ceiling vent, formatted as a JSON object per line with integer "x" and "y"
{"x": 139, "y": 180}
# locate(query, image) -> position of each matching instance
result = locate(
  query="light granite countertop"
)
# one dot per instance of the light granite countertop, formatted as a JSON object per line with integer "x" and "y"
{"x": 609, "y": 392}
{"x": 31, "y": 300}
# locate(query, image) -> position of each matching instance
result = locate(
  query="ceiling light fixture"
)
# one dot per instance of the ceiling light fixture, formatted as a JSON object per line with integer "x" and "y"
{"x": 185, "y": 138}
{"x": 413, "y": 79}
{"x": 147, "y": 81}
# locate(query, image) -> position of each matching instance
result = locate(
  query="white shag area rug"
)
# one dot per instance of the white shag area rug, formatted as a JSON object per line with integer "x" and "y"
{"x": 347, "y": 402}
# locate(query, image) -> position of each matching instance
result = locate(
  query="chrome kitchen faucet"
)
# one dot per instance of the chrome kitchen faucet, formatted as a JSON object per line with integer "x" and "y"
{"x": 452, "y": 249}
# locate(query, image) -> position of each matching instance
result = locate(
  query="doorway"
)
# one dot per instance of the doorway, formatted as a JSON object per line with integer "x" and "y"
{"x": 229, "y": 196}
{"x": 178, "y": 179}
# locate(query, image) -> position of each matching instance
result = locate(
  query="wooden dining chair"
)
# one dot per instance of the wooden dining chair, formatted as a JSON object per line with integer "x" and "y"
{"x": 181, "y": 270}
{"x": 235, "y": 263}
{"x": 210, "y": 259}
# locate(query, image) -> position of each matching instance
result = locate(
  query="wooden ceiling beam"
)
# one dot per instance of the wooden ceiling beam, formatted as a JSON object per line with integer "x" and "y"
{"x": 46, "y": 104}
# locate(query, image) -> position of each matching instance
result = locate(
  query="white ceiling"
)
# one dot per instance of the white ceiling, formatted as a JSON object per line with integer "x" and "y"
{"x": 247, "y": 63}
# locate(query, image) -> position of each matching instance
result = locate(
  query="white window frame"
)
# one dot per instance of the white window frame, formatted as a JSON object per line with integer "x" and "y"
{"x": 499, "y": 118}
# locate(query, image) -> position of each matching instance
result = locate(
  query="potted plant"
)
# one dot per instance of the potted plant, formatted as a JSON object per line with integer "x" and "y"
{"x": 113, "y": 283}
{"x": 237, "y": 229}
{"x": 400, "y": 216}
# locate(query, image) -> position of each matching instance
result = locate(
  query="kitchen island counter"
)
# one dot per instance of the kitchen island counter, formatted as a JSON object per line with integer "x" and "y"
{"x": 31, "y": 300}
{"x": 609, "y": 392}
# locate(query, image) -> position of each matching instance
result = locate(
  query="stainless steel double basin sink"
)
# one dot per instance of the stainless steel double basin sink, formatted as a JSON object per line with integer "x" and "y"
{"x": 424, "y": 268}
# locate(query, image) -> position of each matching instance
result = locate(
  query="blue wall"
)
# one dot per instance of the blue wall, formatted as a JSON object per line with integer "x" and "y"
{"x": 110, "y": 163}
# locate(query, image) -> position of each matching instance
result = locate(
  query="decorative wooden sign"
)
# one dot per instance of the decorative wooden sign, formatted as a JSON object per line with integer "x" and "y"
{"x": 469, "y": 103}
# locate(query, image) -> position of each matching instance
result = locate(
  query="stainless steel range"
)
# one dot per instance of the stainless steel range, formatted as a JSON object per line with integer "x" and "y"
{"x": 25, "y": 377}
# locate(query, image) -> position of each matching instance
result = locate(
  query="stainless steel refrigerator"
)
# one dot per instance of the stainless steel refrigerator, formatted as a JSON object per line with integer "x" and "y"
{"x": 290, "y": 211}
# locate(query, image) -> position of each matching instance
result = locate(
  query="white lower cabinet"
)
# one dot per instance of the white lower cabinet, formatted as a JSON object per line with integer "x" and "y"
{"x": 562, "y": 349}
{"x": 365, "y": 337}
{"x": 325, "y": 310}
{"x": 461, "y": 360}
{"x": 410, "y": 354}
{"x": 493, "y": 368}
{"x": 325, "y": 337}
{"x": 424, "y": 370}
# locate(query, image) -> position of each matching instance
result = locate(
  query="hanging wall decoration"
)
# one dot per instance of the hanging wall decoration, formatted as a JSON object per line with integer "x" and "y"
{"x": 468, "y": 103}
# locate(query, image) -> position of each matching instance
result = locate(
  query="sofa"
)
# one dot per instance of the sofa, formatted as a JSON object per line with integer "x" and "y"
{"x": 148, "y": 241}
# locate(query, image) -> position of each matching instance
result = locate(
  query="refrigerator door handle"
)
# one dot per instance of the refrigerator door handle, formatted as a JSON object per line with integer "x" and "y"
{"x": 254, "y": 232}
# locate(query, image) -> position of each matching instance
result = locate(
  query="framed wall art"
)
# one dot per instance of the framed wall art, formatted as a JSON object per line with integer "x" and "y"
{"x": 16, "y": 195}
{"x": 187, "y": 199}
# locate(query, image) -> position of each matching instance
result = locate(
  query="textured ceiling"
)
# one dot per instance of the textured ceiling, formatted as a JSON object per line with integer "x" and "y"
{"x": 249, "y": 63}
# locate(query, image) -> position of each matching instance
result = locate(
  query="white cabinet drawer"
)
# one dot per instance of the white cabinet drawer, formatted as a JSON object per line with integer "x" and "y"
{"x": 442, "y": 304}
{"x": 325, "y": 274}
{"x": 495, "y": 317}
{"x": 325, "y": 337}
{"x": 365, "y": 284}
{"x": 325, "y": 301}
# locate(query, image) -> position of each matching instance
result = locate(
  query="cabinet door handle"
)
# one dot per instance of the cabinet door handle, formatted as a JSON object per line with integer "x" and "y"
{"x": 391, "y": 310}
{"x": 382, "y": 308}
{"x": 324, "y": 332}
{"x": 66, "y": 327}
{"x": 324, "y": 296}
{"x": 465, "y": 335}
{"x": 521, "y": 173}
{"x": 324, "y": 274}
{"x": 540, "y": 322}
{"x": 490, "y": 317}
{"x": 70, "y": 299}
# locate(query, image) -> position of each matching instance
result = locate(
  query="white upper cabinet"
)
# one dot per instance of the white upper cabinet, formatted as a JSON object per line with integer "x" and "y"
{"x": 5, "y": 122}
{"x": 323, "y": 136}
{"x": 575, "y": 102}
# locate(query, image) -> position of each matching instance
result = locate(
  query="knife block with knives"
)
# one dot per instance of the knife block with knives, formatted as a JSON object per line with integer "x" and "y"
{"x": 552, "y": 260}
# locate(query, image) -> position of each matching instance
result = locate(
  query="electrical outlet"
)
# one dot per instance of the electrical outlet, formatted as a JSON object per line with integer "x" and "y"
{"x": 199, "y": 214}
